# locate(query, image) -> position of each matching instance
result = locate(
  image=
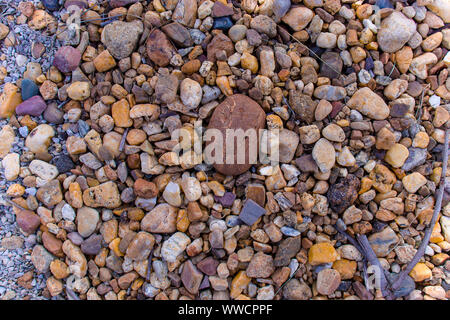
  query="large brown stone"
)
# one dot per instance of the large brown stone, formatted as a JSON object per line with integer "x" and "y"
{"x": 236, "y": 112}
{"x": 218, "y": 43}
{"x": 104, "y": 195}
{"x": 159, "y": 48}
{"x": 28, "y": 221}
{"x": 162, "y": 219}
{"x": 191, "y": 277}
{"x": 178, "y": 33}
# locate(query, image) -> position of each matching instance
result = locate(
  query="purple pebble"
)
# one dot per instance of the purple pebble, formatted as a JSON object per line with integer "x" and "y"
{"x": 33, "y": 106}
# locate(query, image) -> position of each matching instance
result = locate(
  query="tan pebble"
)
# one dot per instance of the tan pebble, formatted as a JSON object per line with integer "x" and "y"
{"x": 421, "y": 140}
{"x": 413, "y": 182}
{"x": 104, "y": 61}
{"x": 79, "y": 90}
{"x": 396, "y": 155}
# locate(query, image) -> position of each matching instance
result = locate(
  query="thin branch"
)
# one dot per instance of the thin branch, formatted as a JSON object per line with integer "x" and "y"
{"x": 286, "y": 282}
{"x": 72, "y": 294}
{"x": 419, "y": 109}
{"x": 348, "y": 237}
{"x": 122, "y": 141}
{"x": 363, "y": 246}
{"x": 437, "y": 209}
{"x": 14, "y": 204}
{"x": 372, "y": 258}
{"x": 149, "y": 266}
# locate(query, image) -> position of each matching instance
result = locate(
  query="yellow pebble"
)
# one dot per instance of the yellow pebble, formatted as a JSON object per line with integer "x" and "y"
{"x": 239, "y": 283}
{"x": 182, "y": 221}
{"x": 217, "y": 188}
{"x": 224, "y": 85}
{"x": 9, "y": 100}
{"x": 436, "y": 235}
{"x": 420, "y": 272}
{"x": 421, "y": 140}
{"x": 346, "y": 268}
{"x": 15, "y": 190}
{"x": 321, "y": 253}
{"x": 137, "y": 284}
{"x": 274, "y": 122}
{"x": 114, "y": 246}
{"x": 366, "y": 184}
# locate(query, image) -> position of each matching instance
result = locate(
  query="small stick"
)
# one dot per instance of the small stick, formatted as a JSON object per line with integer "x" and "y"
{"x": 437, "y": 209}
{"x": 122, "y": 141}
{"x": 72, "y": 294}
{"x": 149, "y": 267}
{"x": 14, "y": 204}
{"x": 419, "y": 109}
{"x": 349, "y": 238}
{"x": 372, "y": 258}
{"x": 286, "y": 282}
{"x": 363, "y": 246}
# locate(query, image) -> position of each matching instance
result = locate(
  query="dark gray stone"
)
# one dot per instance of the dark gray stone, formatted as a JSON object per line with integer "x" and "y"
{"x": 251, "y": 212}
{"x": 416, "y": 157}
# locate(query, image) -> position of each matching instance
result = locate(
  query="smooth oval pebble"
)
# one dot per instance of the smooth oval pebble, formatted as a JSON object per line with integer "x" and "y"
{"x": 236, "y": 112}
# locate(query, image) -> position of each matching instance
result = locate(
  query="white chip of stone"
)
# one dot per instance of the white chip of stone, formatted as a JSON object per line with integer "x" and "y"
{"x": 435, "y": 101}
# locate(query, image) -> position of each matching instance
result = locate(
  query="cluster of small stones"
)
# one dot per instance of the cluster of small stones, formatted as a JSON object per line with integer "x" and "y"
{"x": 358, "y": 89}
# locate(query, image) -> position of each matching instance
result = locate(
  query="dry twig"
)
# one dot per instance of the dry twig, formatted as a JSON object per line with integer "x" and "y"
{"x": 437, "y": 209}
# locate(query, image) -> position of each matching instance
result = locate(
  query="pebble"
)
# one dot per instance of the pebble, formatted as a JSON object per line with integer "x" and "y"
{"x": 159, "y": 48}
{"x": 251, "y": 212}
{"x": 161, "y": 219}
{"x": 296, "y": 290}
{"x": 51, "y": 5}
{"x": 420, "y": 272}
{"x": 79, "y": 90}
{"x": 369, "y": 104}
{"x": 413, "y": 182}
{"x": 287, "y": 249}
{"x": 324, "y": 155}
{"x": 121, "y": 38}
{"x": 288, "y": 145}
{"x": 11, "y": 165}
{"x": 191, "y": 277}
{"x": 43, "y": 169}
{"x": 397, "y": 155}
{"x": 67, "y": 59}
{"x": 103, "y": 195}
{"x": 9, "y": 100}
{"x": 190, "y": 93}
{"x": 416, "y": 157}
{"x": 395, "y": 31}
{"x": 245, "y": 114}
{"x": 87, "y": 219}
{"x": 328, "y": 281}
{"x": 322, "y": 253}
{"x": 178, "y": 34}
{"x": 298, "y": 18}
{"x": 383, "y": 242}
{"x": 333, "y": 132}
{"x": 141, "y": 246}
{"x": 41, "y": 259}
{"x": 174, "y": 246}
{"x": 261, "y": 266}
{"x": 28, "y": 89}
